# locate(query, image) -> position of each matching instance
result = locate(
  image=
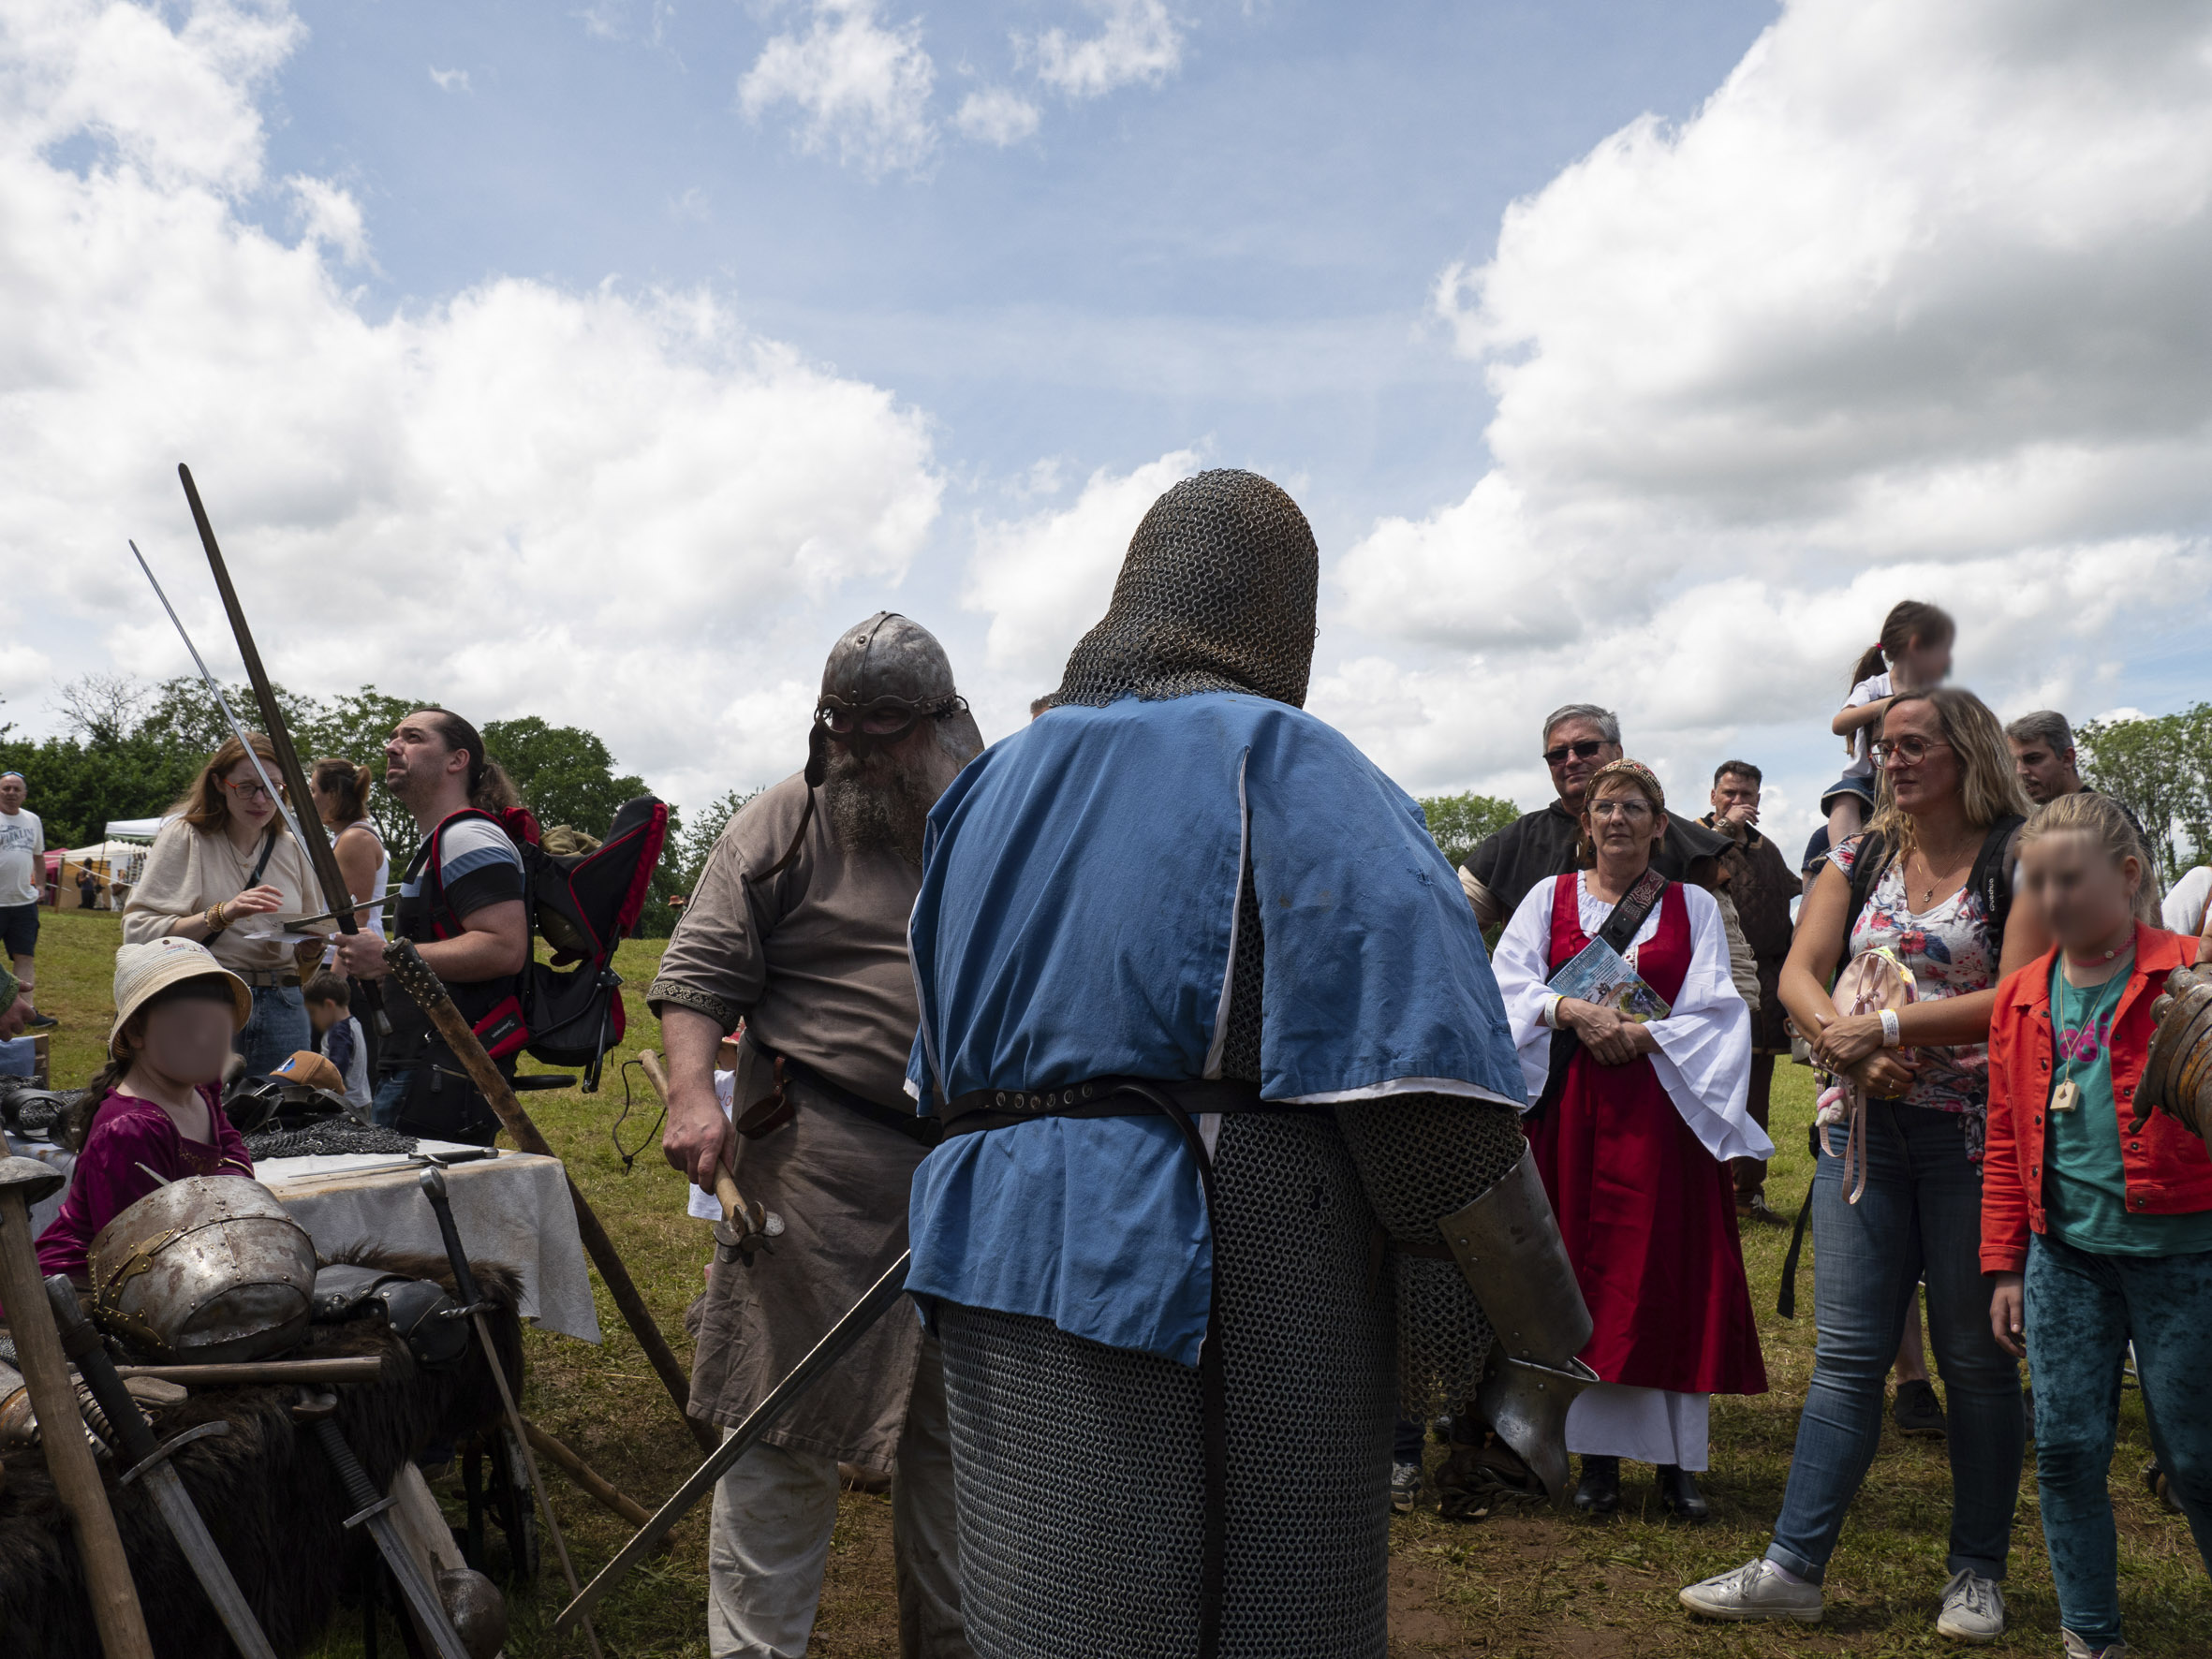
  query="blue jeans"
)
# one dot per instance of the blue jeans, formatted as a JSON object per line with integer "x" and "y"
{"x": 2082, "y": 1310}
{"x": 278, "y": 1029}
{"x": 1921, "y": 1215}
{"x": 392, "y": 1089}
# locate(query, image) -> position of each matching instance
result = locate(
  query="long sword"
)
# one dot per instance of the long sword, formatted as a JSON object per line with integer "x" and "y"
{"x": 133, "y": 1442}
{"x": 834, "y": 1344}
{"x": 222, "y": 703}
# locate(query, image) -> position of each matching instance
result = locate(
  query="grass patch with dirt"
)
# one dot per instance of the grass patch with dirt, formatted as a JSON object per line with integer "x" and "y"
{"x": 1513, "y": 1585}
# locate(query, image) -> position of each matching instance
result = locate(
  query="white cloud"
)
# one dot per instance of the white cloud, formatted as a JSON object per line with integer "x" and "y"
{"x": 863, "y": 88}
{"x": 1138, "y": 41}
{"x": 452, "y": 79}
{"x": 331, "y": 216}
{"x": 624, "y": 510}
{"x": 1915, "y": 303}
{"x": 1045, "y": 578}
{"x": 996, "y": 116}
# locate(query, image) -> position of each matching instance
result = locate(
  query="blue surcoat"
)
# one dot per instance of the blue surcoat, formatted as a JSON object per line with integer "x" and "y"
{"x": 1078, "y": 918}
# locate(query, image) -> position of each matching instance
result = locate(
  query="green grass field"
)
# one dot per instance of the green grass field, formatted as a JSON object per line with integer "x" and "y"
{"x": 1535, "y": 1585}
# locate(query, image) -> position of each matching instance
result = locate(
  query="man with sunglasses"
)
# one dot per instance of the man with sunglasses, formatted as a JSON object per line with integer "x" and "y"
{"x": 797, "y": 930}
{"x": 1577, "y": 740}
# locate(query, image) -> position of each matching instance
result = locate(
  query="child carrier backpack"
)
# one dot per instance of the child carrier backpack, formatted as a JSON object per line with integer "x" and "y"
{"x": 581, "y": 903}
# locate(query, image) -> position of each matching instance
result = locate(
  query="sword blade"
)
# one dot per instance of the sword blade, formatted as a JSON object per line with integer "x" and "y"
{"x": 839, "y": 1337}
{"x": 415, "y": 1585}
{"x": 208, "y": 1564}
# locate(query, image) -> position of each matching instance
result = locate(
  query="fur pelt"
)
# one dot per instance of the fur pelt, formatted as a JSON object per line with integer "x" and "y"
{"x": 272, "y": 1504}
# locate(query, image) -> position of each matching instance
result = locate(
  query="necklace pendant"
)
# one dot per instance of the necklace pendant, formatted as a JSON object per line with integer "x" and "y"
{"x": 2066, "y": 1096}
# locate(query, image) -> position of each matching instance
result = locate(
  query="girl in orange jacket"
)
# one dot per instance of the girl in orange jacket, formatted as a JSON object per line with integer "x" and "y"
{"x": 2095, "y": 1233}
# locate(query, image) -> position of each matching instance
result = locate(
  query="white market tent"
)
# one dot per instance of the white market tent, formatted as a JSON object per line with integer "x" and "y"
{"x": 136, "y": 830}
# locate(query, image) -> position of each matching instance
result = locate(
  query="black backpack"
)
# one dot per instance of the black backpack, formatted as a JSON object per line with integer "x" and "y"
{"x": 581, "y": 904}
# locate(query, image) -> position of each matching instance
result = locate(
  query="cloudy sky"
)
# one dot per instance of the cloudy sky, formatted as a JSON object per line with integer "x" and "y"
{"x": 604, "y": 363}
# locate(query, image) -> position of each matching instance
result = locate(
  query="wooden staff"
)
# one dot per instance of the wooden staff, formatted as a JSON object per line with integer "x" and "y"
{"x": 741, "y": 1221}
{"x": 590, "y": 1480}
{"x": 415, "y": 977}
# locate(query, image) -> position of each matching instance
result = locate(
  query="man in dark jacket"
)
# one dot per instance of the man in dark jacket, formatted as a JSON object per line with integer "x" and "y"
{"x": 1762, "y": 882}
{"x": 1577, "y": 740}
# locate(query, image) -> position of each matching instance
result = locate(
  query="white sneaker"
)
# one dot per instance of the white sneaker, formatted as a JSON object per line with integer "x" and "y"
{"x": 1756, "y": 1590}
{"x": 2078, "y": 1649}
{"x": 1973, "y": 1609}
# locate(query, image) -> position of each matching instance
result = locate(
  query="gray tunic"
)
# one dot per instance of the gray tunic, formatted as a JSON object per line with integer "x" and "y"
{"x": 814, "y": 960}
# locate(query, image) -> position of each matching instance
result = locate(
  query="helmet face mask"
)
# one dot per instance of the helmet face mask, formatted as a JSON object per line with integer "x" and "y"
{"x": 881, "y": 723}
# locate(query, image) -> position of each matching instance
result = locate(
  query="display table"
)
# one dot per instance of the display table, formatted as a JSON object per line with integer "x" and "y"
{"x": 512, "y": 1209}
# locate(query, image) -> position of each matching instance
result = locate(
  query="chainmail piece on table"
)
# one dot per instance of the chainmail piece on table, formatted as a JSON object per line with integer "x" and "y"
{"x": 337, "y": 1136}
{"x": 1218, "y": 594}
{"x": 1077, "y": 1465}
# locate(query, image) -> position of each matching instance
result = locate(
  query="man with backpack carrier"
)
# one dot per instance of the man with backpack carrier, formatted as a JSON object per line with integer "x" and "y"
{"x": 462, "y": 904}
{"x": 797, "y": 929}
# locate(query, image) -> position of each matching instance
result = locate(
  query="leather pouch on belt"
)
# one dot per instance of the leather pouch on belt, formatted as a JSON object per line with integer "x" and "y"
{"x": 760, "y": 1105}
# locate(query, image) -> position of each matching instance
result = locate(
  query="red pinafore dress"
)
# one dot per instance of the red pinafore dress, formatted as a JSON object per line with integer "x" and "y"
{"x": 1648, "y": 1214}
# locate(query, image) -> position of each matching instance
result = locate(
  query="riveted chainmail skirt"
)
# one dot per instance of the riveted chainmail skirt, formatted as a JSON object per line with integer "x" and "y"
{"x": 1077, "y": 1466}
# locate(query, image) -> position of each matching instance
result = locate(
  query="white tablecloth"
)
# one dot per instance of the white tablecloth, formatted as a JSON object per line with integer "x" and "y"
{"x": 513, "y": 1209}
{"x": 50, "y": 1151}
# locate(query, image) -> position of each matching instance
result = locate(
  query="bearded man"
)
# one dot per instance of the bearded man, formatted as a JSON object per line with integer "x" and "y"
{"x": 797, "y": 929}
{"x": 1207, "y": 1018}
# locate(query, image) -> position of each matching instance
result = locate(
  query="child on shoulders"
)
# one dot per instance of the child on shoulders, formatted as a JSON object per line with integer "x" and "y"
{"x": 1914, "y": 653}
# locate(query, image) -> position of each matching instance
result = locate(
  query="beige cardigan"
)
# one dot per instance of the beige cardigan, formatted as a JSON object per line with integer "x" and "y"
{"x": 190, "y": 869}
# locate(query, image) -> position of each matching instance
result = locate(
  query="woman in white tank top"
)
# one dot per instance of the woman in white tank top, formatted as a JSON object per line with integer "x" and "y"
{"x": 341, "y": 791}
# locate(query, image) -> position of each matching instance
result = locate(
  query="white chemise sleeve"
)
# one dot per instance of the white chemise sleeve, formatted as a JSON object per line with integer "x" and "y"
{"x": 1523, "y": 950}
{"x": 1704, "y": 1045}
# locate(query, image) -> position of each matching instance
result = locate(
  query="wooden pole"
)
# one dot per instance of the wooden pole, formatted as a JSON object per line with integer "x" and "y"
{"x": 115, "y": 1609}
{"x": 590, "y": 1480}
{"x": 418, "y": 981}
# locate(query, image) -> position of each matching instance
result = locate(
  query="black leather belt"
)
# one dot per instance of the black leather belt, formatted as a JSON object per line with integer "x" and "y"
{"x": 1097, "y": 1097}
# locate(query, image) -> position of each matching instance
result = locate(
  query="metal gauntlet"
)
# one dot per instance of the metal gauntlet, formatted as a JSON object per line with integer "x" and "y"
{"x": 1507, "y": 1245}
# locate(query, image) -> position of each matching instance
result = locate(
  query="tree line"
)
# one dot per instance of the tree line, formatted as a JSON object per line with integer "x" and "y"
{"x": 132, "y": 747}
{"x": 2161, "y": 766}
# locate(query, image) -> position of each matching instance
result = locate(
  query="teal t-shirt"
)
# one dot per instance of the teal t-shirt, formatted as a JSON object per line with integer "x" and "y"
{"x": 2084, "y": 1182}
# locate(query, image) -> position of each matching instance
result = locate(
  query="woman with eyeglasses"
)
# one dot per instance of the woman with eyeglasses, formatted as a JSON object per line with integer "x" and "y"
{"x": 225, "y": 871}
{"x": 1634, "y": 1118}
{"x": 1930, "y": 882}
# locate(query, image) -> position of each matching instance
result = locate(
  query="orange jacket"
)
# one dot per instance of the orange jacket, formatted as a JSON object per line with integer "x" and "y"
{"x": 2168, "y": 1169}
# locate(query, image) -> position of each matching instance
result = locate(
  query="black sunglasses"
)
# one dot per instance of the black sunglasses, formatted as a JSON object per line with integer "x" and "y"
{"x": 1586, "y": 750}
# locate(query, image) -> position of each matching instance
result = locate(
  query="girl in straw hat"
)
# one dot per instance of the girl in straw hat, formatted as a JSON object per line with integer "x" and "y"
{"x": 152, "y": 1113}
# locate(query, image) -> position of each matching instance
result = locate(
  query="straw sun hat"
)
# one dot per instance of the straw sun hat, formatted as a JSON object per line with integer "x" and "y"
{"x": 142, "y": 972}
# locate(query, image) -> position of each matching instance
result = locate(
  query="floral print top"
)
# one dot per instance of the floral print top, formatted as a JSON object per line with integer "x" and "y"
{"x": 1950, "y": 953}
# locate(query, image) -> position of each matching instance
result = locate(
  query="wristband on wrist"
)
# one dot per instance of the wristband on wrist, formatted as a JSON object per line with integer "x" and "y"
{"x": 1890, "y": 1037}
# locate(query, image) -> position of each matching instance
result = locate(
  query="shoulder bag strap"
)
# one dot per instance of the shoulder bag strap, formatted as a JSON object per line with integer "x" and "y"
{"x": 261, "y": 864}
{"x": 1867, "y": 865}
{"x": 1620, "y": 926}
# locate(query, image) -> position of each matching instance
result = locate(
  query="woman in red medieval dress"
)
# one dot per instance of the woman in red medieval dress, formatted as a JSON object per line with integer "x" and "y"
{"x": 1633, "y": 1122}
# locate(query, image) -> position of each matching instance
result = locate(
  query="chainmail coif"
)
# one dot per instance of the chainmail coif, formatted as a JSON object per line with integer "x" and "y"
{"x": 1219, "y": 593}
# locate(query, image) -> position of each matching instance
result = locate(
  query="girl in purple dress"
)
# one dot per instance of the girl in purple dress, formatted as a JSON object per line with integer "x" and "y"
{"x": 152, "y": 1113}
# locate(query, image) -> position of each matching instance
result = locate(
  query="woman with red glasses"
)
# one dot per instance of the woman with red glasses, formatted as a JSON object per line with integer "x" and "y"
{"x": 1929, "y": 883}
{"x": 225, "y": 872}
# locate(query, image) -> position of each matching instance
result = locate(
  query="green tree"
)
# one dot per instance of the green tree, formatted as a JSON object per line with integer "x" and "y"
{"x": 566, "y": 774}
{"x": 1458, "y": 822}
{"x": 2161, "y": 768}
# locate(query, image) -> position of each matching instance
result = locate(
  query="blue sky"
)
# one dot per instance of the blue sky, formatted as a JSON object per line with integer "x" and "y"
{"x": 1242, "y": 253}
{"x": 605, "y": 364}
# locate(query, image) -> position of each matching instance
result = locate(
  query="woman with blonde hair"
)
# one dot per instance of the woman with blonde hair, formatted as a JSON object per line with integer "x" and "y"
{"x": 1930, "y": 883}
{"x": 226, "y": 873}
